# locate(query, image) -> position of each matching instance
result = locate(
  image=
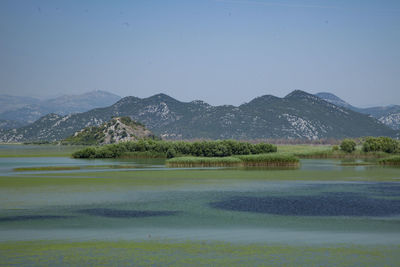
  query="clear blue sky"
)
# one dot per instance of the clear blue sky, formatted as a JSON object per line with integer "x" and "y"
{"x": 223, "y": 52}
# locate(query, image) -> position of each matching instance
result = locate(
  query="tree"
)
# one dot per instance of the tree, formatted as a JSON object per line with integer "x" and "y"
{"x": 348, "y": 145}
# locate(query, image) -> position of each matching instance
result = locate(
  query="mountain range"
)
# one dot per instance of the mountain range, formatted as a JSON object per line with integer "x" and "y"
{"x": 389, "y": 115}
{"x": 16, "y": 111}
{"x": 299, "y": 115}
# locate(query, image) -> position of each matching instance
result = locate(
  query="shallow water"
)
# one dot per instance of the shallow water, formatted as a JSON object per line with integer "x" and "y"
{"x": 321, "y": 203}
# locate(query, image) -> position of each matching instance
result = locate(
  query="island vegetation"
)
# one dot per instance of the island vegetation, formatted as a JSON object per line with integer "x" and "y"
{"x": 236, "y": 153}
{"x": 171, "y": 149}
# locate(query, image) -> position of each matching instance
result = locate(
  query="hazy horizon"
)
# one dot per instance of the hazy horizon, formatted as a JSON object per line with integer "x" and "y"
{"x": 218, "y": 51}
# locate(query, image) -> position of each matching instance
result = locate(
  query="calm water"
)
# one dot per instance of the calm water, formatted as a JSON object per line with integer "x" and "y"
{"x": 242, "y": 210}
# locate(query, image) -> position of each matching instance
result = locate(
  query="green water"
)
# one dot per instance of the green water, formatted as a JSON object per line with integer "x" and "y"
{"x": 320, "y": 214}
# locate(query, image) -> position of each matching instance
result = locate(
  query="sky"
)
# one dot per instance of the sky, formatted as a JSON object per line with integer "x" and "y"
{"x": 219, "y": 51}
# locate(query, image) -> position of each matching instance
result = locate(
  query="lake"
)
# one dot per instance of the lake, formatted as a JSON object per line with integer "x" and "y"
{"x": 313, "y": 215}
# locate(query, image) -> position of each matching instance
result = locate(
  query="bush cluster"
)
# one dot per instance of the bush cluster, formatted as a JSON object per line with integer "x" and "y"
{"x": 384, "y": 144}
{"x": 348, "y": 145}
{"x": 171, "y": 149}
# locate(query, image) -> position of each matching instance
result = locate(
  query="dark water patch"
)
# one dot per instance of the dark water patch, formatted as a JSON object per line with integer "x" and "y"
{"x": 31, "y": 217}
{"x": 114, "y": 213}
{"x": 386, "y": 189}
{"x": 328, "y": 204}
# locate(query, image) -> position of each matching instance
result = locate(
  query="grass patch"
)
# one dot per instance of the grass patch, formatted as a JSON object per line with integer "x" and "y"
{"x": 204, "y": 162}
{"x": 395, "y": 160}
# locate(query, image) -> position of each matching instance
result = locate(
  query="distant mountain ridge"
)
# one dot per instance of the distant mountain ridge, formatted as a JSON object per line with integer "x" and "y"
{"x": 9, "y": 102}
{"x": 388, "y": 115}
{"x": 26, "y": 110}
{"x": 297, "y": 115}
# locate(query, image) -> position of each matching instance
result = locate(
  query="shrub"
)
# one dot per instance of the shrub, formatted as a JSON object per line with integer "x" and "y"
{"x": 348, "y": 145}
{"x": 335, "y": 148}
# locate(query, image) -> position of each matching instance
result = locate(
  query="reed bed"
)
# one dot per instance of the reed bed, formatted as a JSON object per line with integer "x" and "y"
{"x": 261, "y": 160}
{"x": 204, "y": 162}
{"x": 269, "y": 160}
{"x": 395, "y": 160}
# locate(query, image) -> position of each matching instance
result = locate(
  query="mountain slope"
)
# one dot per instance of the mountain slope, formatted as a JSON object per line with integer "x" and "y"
{"x": 8, "y": 102}
{"x": 8, "y": 124}
{"x": 298, "y": 115}
{"x": 331, "y": 98}
{"x": 389, "y": 115}
{"x": 62, "y": 105}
